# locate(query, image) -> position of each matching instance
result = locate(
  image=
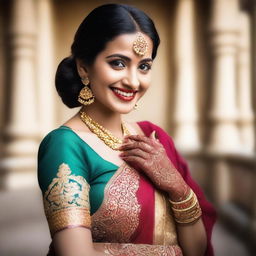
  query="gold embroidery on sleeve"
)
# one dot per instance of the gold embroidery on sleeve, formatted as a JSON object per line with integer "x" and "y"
{"x": 66, "y": 201}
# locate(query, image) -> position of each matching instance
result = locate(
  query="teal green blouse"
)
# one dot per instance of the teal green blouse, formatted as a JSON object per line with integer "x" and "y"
{"x": 63, "y": 145}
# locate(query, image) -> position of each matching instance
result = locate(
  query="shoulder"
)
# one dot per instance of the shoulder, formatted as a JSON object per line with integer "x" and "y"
{"x": 60, "y": 132}
{"x": 59, "y": 135}
{"x": 60, "y": 139}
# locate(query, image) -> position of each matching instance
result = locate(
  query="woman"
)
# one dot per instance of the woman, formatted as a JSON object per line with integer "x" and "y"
{"x": 112, "y": 187}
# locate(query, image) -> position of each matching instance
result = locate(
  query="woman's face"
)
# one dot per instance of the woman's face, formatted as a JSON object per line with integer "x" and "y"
{"x": 119, "y": 76}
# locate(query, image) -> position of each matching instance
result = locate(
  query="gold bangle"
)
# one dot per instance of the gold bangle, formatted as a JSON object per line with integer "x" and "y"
{"x": 189, "y": 219}
{"x": 188, "y": 210}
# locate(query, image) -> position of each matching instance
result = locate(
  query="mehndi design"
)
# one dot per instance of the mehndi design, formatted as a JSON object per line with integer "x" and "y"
{"x": 149, "y": 155}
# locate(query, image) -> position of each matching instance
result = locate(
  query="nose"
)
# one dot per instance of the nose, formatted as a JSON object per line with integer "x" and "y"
{"x": 132, "y": 80}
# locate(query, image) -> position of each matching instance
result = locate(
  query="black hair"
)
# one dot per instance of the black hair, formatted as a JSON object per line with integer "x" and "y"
{"x": 102, "y": 25}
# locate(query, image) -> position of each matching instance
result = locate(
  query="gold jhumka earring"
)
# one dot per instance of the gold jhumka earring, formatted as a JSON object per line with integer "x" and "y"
{"x": 86, "y": 96}
{"x": 140, "y": 45}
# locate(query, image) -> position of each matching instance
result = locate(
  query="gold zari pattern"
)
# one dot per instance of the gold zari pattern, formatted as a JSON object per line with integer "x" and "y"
{"x": 66, "y": 201}
{"x": 142, "y": 250}
{"x": 164, "y": 226}
{"x": 118, "y": 217}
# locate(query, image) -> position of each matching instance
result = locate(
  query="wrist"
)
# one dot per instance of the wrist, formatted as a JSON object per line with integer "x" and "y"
{"x": 179, "y": 194}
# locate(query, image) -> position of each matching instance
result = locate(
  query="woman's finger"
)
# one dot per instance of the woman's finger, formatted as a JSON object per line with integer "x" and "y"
{"x": 152, "y": 140}
{"x": 141, "y": 138}
{"x": 135, "y": 152}
{"x": 153, "y": 135}
{"x": 133, "y": 145}
{"x": 135, "y": 161}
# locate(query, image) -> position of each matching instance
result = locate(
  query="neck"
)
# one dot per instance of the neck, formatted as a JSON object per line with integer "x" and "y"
{"x": 108, "y": 119}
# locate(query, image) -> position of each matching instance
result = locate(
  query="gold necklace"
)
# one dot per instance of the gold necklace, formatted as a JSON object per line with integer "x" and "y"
{"x": 102, "y": 133}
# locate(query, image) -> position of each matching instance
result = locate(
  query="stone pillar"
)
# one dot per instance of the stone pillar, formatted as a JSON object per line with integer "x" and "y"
{"x": 45, "y": 69}
{"x": 220, "y": 181}
{"x": 20, "y": 133}
{"x": 253, "y": 59}
{"x": 245, "y": 84}
{"x": 186, "y": 114}
{"x": 224, "y": 112}
{"x": 2, "y": 72}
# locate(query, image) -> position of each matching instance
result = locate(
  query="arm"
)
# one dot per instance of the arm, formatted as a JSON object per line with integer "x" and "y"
{"x": 192, "y": 238}
{"x": 148, "y": 155}
{"x": 75, "y": 242}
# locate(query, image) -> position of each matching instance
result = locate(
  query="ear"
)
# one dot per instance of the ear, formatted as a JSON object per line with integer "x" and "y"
{"x": 81, "y": 69}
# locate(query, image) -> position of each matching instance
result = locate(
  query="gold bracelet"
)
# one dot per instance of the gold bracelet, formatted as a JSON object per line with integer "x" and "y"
{"x": 188, "y": 210}
{"x": 193, "y": 203}
{"x": 186, "y": 219}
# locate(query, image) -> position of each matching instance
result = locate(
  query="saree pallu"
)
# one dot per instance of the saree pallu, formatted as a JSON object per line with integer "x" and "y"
{"x": 209, "y": 215}
{"x": 126, "y": 214}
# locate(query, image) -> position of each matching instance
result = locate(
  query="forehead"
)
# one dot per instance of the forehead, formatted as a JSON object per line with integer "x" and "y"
{"x": 124, "y": 44}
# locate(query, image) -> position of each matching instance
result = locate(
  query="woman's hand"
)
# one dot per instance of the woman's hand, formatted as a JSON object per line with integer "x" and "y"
{"x": 149, "y": 155}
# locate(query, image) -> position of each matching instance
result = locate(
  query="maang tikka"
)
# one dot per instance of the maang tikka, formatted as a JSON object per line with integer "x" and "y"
{"x": 86, "y": 96}
{"x": 140, "y": 45}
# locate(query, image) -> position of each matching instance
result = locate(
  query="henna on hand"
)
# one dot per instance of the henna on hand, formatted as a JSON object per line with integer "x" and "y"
{"x": 149, "y": 155}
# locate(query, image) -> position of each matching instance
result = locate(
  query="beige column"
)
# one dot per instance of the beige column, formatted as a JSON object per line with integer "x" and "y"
{"x": 2, "y": 72}
{"x": 45, "y": 69}
{"x": 245, "y": 84}
{"x": 224, "y": 41}
{"x": 21, "y": 129}
{"x": 253, "y": 58}
{"x": 186, "y": 114}
{"x": 220, "y": 181}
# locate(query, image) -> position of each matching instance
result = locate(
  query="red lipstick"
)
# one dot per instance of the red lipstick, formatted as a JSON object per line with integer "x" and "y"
{"x": 124, "y": 94}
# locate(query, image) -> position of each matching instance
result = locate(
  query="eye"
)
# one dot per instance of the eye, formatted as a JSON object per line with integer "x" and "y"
{"x": 117, "y": 64}
{"x": 145, "y": 67}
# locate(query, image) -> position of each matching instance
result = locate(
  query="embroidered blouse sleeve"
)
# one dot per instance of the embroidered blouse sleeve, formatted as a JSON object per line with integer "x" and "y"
{"x": 63, "y": 177}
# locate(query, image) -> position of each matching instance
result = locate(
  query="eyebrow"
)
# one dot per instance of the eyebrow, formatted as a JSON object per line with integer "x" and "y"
{"x": 127, "y": 58}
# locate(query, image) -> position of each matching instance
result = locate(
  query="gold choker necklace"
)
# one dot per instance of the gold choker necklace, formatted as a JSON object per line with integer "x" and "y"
{"x": 106, "y": 136}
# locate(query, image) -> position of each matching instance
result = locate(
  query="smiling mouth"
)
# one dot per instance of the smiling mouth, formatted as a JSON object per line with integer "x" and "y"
{"x": 126, "y": 95}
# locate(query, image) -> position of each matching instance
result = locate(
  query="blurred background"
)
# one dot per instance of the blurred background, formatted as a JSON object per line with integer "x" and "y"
{"x": 202, "y": 93}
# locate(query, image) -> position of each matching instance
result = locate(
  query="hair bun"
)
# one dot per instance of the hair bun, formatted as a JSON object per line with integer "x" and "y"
{"x": 68, "y": 82}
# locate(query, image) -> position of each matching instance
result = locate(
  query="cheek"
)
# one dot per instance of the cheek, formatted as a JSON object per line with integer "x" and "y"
{"x": 105, "y": 75}
{"x": 145, "y": 82}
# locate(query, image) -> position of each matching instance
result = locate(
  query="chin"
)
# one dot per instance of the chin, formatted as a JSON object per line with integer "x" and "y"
{"x": 123, "y": 110}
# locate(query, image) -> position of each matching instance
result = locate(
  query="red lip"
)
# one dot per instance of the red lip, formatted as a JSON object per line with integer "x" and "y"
{"x": 123, "y": 90}
{"x": 122, "y": 97}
